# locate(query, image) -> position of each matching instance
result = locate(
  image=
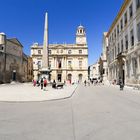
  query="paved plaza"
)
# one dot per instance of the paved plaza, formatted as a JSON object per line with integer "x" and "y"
{"x": 92, "y": 113}
{"x": 27, "y": 92}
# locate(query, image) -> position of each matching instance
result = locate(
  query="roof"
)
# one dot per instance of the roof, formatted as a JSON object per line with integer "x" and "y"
{"x": 15, "y": 41}
{"x": 80, "y": 26}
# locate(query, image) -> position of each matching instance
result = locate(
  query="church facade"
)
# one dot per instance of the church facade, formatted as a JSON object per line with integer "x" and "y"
{"x": 15, "y": 65}
{"x": 67, "y": 62}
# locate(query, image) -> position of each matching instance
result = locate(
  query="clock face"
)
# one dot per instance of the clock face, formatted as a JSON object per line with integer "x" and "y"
{"x": 81, "y": 40}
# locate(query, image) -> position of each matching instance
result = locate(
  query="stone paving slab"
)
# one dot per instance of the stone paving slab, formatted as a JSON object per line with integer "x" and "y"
{"x": 26, "y": 92}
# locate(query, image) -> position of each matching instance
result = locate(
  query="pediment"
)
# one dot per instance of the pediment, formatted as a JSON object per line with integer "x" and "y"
{"x": 16, "y": 41}
{"x": 60, "y": 46}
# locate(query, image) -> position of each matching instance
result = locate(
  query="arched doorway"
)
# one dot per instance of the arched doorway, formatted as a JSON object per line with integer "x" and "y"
{"x": 14, "y": 75}
{"x": 80, "y": 77}
{"x": 69, "y": 78}
{"x": 59, "y": 77}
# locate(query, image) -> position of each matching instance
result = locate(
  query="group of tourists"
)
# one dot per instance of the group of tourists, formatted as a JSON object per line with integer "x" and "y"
{"x": 42, "y": 83}
{"x": 100, "y": 82}
{"x": 93, "y": 82}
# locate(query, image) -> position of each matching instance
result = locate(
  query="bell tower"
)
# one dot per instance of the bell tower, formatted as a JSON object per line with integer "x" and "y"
{"x": 81, "y": 36}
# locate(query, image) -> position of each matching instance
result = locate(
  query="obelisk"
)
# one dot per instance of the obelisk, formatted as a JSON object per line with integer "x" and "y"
{"x": 45, "y": 71}
{"x": 45, "y": 44}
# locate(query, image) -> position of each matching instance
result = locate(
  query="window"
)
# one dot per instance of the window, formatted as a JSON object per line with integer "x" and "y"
{"x": 126, "y": 42}
{"x": 69, "y": 63}
{"x": 130, "y": 11}
{"x": 59, "y": 63}
{"x": 121, "y": 24}
{"x": 117, "y": 29}
{"x": 1, "y": 47}
{"x": 39, "y": 64}
{"x": 135, "y": 65}
{"x": 50, "y": 52}
{"x": 132, "y": 37}
{"x": 125, "y": 18}
{"x": 39, "y": 51}
{"x": 115, "y": 52}
{"x": 112, "y": 37}
{"x": 138, "y": 32}
{"x": 121, "y": 45}
{"x": 80, "y": 51}
{"x": 137, "y": 3}
{"x": 118, "y": 48}
{"x": 80, "y": 64}
{"x": 69, "y": 52}
{"x": 61, "y": 51}
{"x": 115, "y": 33}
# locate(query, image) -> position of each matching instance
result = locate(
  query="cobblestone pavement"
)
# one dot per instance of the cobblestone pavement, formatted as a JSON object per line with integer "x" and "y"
{"x": 92, "y": 113}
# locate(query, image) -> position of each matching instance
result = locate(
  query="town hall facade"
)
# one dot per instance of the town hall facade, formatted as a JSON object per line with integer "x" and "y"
{"x": 67, "y": 62}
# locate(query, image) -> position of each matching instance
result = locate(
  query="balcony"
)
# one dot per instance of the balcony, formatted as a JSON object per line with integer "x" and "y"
{"x": 121, "y": 55}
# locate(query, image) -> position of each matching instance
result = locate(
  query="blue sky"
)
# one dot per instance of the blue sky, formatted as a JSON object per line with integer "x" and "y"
{"x": 24, "y": 19}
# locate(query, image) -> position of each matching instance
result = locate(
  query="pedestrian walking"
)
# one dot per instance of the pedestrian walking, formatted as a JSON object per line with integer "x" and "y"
{"x": 54, "y": 84}
{"x": 88, "y": 82}
{"x": 121, "y": 83}
{"x": 41, "y": 82}
{"x": 85, "y": 82}
{"x": 45, "y": 84}
{"x": 34, "y": 82}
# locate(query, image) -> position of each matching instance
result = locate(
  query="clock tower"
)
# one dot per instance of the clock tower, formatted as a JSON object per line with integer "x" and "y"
{"x": 81, "y": 36}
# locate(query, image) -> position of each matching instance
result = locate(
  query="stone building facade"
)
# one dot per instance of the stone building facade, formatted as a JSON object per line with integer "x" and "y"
{"x": 30, "y": 69}
{"x": 103, "y": 66}
{"x": 68, "y": 62}
{"x": 94, "y": 72}
{"x": 124, "y": 44}
{"x": 13, "y": 61}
